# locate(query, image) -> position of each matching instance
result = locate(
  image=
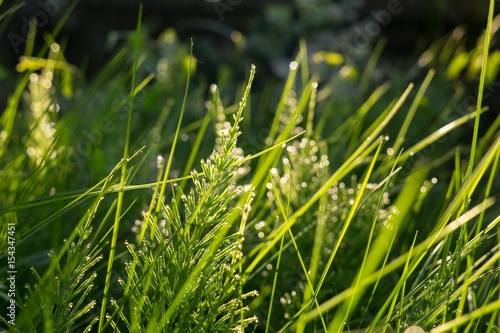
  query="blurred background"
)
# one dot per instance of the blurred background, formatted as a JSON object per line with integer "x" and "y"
{"x": 266, "y": 31}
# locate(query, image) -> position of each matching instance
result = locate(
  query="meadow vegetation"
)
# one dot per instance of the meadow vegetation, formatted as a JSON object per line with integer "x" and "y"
{"x": 344, "y": 199}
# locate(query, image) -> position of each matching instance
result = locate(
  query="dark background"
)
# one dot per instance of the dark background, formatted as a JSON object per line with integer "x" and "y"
{"x": 91, "y": 25}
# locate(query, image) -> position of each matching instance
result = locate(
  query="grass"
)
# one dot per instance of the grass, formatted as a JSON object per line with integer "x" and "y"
{"x": 346, "y": 206}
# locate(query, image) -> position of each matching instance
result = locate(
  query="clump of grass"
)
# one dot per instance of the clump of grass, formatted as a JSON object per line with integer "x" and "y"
{"x": 175, "y": 280}
{"x": 62, "y": 298}
{"x": 348, "y": 229}
{"x": 59, "y": 301}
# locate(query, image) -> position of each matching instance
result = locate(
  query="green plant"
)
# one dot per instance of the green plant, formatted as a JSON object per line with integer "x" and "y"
{"x": 355, "y": 211}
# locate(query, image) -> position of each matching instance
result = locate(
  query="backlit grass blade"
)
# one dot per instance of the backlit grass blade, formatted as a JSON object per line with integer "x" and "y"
{"x": 355, "y": 123}
{"x": 275, "y": 283}
{"x": 384, "y": 184}
{"x": 95, "y": 190}
{"x": 152, "y": 220}
{"x": 195, "y": 149}
{"x": 370, "y": 68}
{"x": 482, "y": 79}
{"x": 52, "y": 270}
{"x": 413, "y": 109}
{"x": 470, "y": 185}
{"x": 123, "y": 175}
{"x": 176, "y": 136}
{"x": 315, "y": 258}
{"x": 287, "y": 87}
{"x": 437, "y": 135}
{"x": 265, "y": 163}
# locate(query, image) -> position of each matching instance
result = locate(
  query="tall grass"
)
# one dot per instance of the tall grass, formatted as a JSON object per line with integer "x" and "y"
{"x": 350, "y": 215}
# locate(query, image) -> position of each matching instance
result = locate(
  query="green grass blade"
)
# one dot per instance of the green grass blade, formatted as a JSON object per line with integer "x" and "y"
{"x": 437, "y": 135}
{"x": 482, "y": 79}
{"x": 370, "y": 68}
{"x": 413, "y": 109}
{"x": 116, "y": 224}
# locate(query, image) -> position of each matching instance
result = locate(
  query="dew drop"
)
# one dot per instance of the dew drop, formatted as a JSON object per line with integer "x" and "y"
{"x": 213, "y": 88}
{"x": 414, "y": 329}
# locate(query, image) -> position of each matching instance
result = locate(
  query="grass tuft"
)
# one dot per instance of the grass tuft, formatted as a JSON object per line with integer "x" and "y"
{"x": 360, "y": 208}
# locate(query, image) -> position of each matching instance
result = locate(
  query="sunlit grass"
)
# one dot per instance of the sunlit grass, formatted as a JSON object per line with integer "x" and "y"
{"x": 347, "y": 216}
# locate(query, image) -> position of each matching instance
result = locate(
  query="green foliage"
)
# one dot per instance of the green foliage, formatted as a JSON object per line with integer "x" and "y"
{"x": 361, "y": 207}
{"x": 162, "y": 263}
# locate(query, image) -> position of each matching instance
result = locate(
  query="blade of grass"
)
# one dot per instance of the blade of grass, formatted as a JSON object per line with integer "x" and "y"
{"x": 9, "y": 12}
{"x": 302, "y": 314}
{"x": 378, "y": 280}
{"x": 310, "y": 113}
{"x": 116, "y": 224}
{"x": 452, "y": 103}
{"x": 30, "y": 39}
{"x": 355, "y": 123}
{"x": 177, "y": 131}
{"x": 400, "y": 138}
{"x": 288, "y": 86}
{"x": 275, "y": 282}
{"x": 385, "y": 184}
{"x": 393, "y": 297}
{"x": 437, "y": 135}
{"x": 403, "y": 281}
{"x": 487, "y": 192}
{"x": 482, "y": 79}
{"x": 465, "y": 318}
{"x": 468, "y": 279}
{"x": 370, "y": 68}
{"x": 83, "y": 224}
{"x": 261, "y": 171}
{"x": 148, "y": 277}
{"x": 195, "y": 149}
{"x": 95, "y": 190}
{"x": 488, "y": 136}
{"x": 470, "y": 185}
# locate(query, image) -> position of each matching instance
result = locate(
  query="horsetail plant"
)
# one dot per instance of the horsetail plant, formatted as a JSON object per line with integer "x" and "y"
{"x": 175, "y": 271}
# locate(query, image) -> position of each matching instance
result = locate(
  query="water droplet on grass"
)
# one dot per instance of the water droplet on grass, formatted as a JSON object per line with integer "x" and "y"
{"x": 414, "y": 329}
